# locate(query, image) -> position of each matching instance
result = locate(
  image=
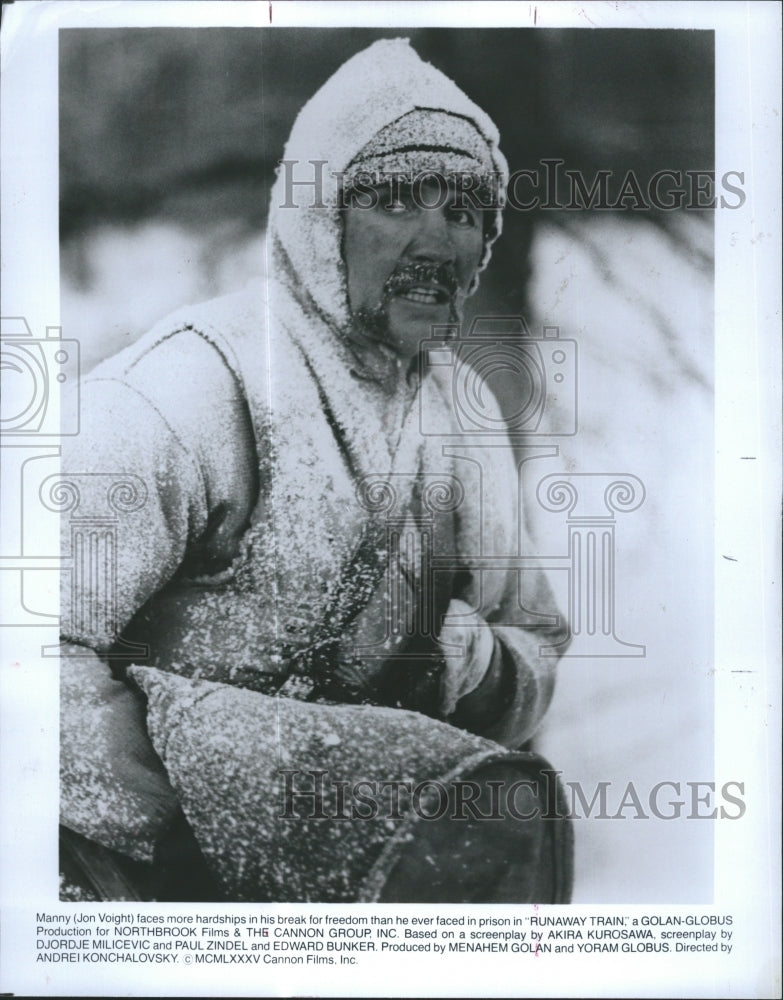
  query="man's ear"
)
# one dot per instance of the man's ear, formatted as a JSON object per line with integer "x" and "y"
{"x": 488, "y": 224}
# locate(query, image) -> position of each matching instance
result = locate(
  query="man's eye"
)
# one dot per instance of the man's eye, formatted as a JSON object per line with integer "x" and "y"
{"x": 463, "y": 217}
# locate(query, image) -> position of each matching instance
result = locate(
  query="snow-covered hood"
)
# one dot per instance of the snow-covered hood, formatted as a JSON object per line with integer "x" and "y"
{"x": 370, "y": 91}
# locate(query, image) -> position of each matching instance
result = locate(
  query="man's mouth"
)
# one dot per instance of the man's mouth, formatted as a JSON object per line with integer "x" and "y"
{"x": 426, "y": 295}
{"x": 426, "y": 285}
{"x": 423, "y": 283}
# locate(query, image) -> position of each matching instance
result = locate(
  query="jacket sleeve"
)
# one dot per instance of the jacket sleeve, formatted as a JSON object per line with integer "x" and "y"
{"x": 137, "y": 492}
{"x": 511, "y": 700}
{"x": 530, "y": 633}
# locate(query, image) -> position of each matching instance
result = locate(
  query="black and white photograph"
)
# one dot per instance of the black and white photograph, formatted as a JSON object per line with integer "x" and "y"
{"x": 388, "y": 500}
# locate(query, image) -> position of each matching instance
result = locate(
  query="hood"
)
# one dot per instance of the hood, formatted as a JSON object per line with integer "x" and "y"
{"x": 368, "y": 92}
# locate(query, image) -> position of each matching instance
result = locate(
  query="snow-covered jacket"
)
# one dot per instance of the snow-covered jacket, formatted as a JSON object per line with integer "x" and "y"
{"x": 262, "y": 509}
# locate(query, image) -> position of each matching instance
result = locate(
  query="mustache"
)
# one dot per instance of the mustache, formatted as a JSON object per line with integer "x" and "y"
{"x": 408, "y": 275}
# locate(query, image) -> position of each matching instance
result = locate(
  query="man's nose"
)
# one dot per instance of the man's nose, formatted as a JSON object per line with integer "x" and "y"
{"x": 432, "y": 237}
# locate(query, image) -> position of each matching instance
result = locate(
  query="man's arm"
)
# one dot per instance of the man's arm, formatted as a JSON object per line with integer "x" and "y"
{"x": 134, "y": 431}
{"x": 504, "y": 688}
{"x": 517, "y": 684}
{"x": 113, "y": 787}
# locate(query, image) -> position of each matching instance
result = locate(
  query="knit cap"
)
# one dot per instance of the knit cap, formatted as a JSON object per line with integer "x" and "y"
{"x": 387, "y": 108}
{"x": 428, "y": 141}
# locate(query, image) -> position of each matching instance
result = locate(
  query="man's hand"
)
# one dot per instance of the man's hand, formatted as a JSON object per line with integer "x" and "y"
{"x": 467, "y": 644}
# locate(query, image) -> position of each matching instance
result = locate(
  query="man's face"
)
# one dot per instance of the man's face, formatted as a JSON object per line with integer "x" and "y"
{"x": 409, "y": 266}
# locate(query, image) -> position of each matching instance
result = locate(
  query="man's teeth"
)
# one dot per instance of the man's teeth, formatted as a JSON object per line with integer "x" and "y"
{"x": 426, "y": 296}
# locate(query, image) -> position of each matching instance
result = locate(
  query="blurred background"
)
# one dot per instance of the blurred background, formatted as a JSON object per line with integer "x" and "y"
{"x": 169, "y": 139}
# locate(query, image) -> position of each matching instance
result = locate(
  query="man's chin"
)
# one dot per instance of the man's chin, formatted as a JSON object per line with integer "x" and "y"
{"x": 410, "y": 323}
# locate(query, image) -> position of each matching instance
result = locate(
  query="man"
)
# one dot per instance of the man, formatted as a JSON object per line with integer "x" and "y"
{"x": 291, "y": 535}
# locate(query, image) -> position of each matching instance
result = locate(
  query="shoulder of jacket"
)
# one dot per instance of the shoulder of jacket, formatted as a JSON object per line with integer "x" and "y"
{"x": 197, "y": 337}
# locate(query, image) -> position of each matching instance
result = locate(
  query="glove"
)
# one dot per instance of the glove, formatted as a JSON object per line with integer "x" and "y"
{"x": 467, "y": 645}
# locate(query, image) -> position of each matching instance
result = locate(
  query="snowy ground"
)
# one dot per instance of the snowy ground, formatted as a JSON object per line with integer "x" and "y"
{"x": 638, "y": 301}
{"x": 640, "y": 307}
